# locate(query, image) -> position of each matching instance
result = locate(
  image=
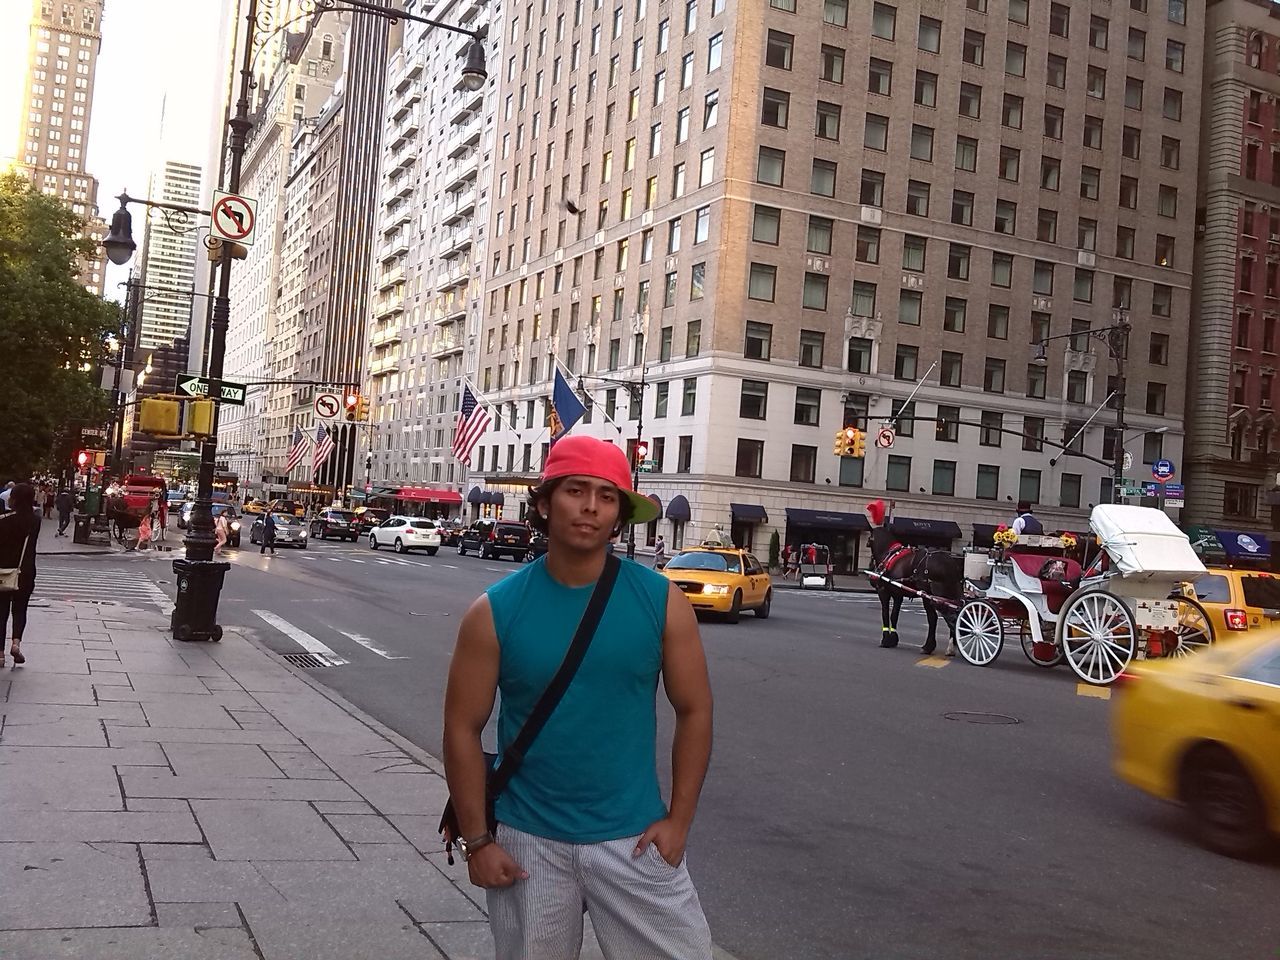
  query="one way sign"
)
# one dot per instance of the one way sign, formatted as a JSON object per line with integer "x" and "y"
{"x": 194, "y": 386}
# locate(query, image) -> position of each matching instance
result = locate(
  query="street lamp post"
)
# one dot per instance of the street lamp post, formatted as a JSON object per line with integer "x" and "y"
{"x": 1116, "y": 337}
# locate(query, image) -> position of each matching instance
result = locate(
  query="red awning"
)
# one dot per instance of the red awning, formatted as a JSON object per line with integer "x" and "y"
{"x": 426, "y": 495}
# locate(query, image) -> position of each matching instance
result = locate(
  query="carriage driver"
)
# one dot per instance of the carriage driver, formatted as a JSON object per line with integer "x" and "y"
{"x": 1026, "y": 521}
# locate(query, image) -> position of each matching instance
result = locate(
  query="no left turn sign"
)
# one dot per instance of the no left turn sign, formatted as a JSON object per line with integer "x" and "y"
{"x": 327, "y": 405}
{"x": 234, "y": 217}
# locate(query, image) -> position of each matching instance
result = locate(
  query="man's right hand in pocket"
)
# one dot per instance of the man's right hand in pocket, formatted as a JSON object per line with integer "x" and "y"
{"x": 492, "y": 867}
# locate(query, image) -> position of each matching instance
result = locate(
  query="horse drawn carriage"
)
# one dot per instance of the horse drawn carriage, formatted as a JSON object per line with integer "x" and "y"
{"x": 1128, "y": 604}
{"x": 138, "y": 497}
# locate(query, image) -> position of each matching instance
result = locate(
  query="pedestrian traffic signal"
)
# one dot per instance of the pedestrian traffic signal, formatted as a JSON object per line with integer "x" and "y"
{"x": 82, "y": 459}
{"x": 350, "y": 405}
{"x": 841, "y": 446}
{"x": 362, "y": 409}
{"x": 642, "y": 451}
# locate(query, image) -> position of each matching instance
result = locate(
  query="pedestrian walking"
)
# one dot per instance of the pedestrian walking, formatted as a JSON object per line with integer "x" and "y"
{"x": 269, "y": 533}
{"x": 42, "y": 498}
{"x": 47, "y": 506}
{"x": 221, "y": 531}
{"x": 19, "y": 530}
{"x": 785, "y": 561}
{"x": 579, "y": 822}
{"x": 162, "y": 515}
{"x": 659, "y": 553}
{"x": 64, "y": 503}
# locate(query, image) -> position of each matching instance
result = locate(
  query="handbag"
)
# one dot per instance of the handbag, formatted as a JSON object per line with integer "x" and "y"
{"x": 500, "y": 774}
{"x": 9, "y": 576}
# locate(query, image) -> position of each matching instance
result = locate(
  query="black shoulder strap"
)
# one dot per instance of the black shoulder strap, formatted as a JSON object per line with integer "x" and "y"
{"x": 513, "y": 755}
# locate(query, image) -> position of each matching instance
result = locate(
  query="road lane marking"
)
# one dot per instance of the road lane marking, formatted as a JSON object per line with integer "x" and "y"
{"x": 371, "y": 646}
{"x": 354, "y": 560}
{"x": 494, "y": 569}
{"x": 936, "y": 662}
{"x": 303, "y": 639}
{"x": 449, "y": 566}
{"x": 1089, "y": 690}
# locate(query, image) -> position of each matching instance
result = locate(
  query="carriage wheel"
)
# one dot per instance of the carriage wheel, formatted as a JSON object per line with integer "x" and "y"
{"x": 979, "y": 632}
{"x": 1098, "y": 635}
{"x": 1195, "y": 629}
{"x": 1029, "y": 648}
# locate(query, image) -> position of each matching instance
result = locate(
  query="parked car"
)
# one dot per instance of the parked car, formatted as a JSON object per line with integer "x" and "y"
{"x": 369, "y": 517}
{"x": 495, "y": 538}
{"x": 406, "y": 533}
{"x": 176, "y": 499}
{"x": 290, "y": 531}
{"x": 291, "y": 507}
{"x": 451, "y": 532}
{"x": 1238, "y": 600}
{"x": 335, "y": 523}
{"x": 722, "y": 580}
{"x": 538, "y": 545}
{"x": 1202, "y": 731}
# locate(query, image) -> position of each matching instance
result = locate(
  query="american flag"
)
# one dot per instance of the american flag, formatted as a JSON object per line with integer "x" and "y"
{"x": 472, "y": 423}
{"x": 297, "y": 450}
{"x": 324, "y": 447}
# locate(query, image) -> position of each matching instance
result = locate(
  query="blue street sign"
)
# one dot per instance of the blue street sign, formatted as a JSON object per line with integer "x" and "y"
{"x": 1162, "y": 469}
{"x": 1150, "y": 489}
{"x": 1174, "y": 490}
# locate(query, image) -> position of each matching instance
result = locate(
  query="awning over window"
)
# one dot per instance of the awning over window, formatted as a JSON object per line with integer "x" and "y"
{"x": 678, "y": 509}
{"x": 827, "y": 520}
{"x": 494, "y": 497}
{"x": 748, "y": 513}
{"x": 657, "y": 500}
{"x": 908, "y": 527}
{"x": 425, "y": 495}
{"x": 1244, "y": 546}
{"x": 476, "y": 496}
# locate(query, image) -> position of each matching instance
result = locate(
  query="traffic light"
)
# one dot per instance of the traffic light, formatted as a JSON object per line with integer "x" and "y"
{"x": 197, "y": 418}
{"x": 350, "y": 405}
{"x": 858, "y": 446}
{"x": 82, "y": 459}
{"x": 841, "y": 446}
{"x": 160, "y": 417}
{"x": 642, "y": 451}
{"x": 362, "y": 409}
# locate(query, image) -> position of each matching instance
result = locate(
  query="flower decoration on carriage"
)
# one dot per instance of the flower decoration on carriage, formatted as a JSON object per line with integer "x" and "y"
{"x": 1068, "y": 540}
{"x": 1004, "y": 536}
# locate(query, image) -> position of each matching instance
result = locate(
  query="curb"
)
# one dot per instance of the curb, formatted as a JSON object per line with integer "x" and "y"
{"x": 791, "y": 587}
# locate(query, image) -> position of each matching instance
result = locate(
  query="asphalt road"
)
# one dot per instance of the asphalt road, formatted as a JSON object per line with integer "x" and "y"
{"x": 855, "y": 808}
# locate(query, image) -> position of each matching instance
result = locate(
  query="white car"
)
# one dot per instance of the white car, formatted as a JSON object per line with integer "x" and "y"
{"x": 405, "y": 534}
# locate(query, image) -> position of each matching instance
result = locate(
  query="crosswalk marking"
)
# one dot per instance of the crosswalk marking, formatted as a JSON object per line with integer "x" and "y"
{"x": 64, "y": 583}
{"x": 303, "y": 639}
{"x": 370, "y": 645}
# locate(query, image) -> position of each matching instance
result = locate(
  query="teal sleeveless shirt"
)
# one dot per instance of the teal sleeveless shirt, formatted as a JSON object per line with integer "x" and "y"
{"x": 592, "y": 774}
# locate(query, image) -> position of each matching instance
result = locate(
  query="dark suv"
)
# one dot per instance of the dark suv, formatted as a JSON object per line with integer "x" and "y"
{"x": 335, "y": 523}
{"x": 495, "y": 538}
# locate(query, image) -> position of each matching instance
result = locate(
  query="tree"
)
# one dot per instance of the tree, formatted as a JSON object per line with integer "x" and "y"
{"x": 775, "y": 550}
{"x": 52, "y": 331}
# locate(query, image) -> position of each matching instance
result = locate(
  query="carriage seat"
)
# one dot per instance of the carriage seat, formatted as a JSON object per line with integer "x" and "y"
{"x": 1039, "y": 566}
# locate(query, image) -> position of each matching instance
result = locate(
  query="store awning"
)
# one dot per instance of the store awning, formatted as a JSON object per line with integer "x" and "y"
{"x": 494, "y": 497}
{"x": 931, "y": 529}
{"x": 1244, "y": 546}
{"x": 658, "y": 500}
{"x": 476, "y": 496}
{"x": 748, "y": 513}
{"x": 678, "y": 509}
{"x": 426, "y": 495}
{"x": 827, "y": 520}
{"x": 984, "y": 534}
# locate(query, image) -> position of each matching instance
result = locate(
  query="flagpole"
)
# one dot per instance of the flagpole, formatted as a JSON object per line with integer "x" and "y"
{"x": 495, "y": 407}
{"x": 570, "y": 373}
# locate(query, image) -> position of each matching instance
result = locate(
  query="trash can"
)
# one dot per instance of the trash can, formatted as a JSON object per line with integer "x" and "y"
{"x": 195, "y": 608}
{"x": 84, "y": 524}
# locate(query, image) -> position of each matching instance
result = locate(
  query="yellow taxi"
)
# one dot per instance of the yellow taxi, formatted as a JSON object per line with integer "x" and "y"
{"x": 254, "y": 506}
{"x": 1238, "y": 600}
{"x": 1205, "y": 731}
{"x": 722, "y": 580}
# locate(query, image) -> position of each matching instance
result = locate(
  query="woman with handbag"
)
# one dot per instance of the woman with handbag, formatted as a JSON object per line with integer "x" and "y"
{"x": 19, "y": 529}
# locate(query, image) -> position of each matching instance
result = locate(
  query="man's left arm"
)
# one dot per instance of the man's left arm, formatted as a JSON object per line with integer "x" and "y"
{"x": 684, "y": 675}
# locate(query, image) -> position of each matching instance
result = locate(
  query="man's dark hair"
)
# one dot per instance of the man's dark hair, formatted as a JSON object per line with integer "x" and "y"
{"x": 22, "y": 497}
{"x": 542, "y": 493}
{"x": 1024, "y": 506}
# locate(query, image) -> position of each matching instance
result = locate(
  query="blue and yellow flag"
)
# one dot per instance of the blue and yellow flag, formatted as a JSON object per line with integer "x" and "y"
{"x": 566, "y": 408}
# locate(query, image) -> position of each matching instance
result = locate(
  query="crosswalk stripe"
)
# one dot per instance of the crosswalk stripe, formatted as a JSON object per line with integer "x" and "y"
{"x": 371, "y": 646}
{"x": 303, "y": 639}
{"x": 101, "y": 585}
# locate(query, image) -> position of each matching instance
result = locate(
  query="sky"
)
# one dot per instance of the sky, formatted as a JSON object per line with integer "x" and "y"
{"x": 157, "y": 91}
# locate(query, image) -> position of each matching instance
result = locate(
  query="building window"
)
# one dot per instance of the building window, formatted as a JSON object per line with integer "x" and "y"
{"x": 991, "y": 433}
{"x": 1069, "y": 490}
{"x": 917, "y": 197}
{"x": 754, "y": 400}
{"x": 962, "y": 208}
{"x": 859, "y": 360}
{"x": 993, "y": 375}
{"x": 1240, "y": 500}
{"x": 970, "y": 101}
{"x": 1156, "y": 398}
{"x": 899, "y": 473}
{"x": 904, "y": 415}
{"x": 750, "y": 458}
{"x": 988, "y": 487}
{"x": 1002, "y": 270}
{"x": 904, "y": 362}
{"x": 815, "y": 291}
{"x": 929, "y": 35}
{"x": 811, "y": 348}
{"x": 944, "y": 478}
{"x": 953, "y": 314}
{"x": 777, "y": 51}
{"x": 958, "y": 259}
{"x": 770, "y": 166}
{"x": 926, "y": 92}
{"x": 819, "y": 235}
{"x": 766, "y": 224}
{"x": 1172, "y": 104}
{"x": 828, "y": 121}
{"x": 1029, "y": 486}
{"x": 804, "y": 463}
{"x": 951, "y": 369}
{"x": 693, "y": 338}
{"x": 884, "y": 21}
{"x": 880, "y": 77}
{"x": 832, "y": 64}
{"x": 922, "y": 142}
{"x": 864, "y": 299}
{"x": 759, "y": 341}
{"x": 875, "y": 134}
{"x": 835, "y": 12}
{"x": 808, "y": 406}
{"x": 867, "y": 249}
{"x": 914, "y": 249}
{"x": 973, "y": 47}
{"x": 871, "y": 192}
{"x": 684, "y": 457}
{"x": 689, "y": 397}
{"x": 774, "y": 111}
{"x": 762, "y": 281}
{"x": 947, "y": 426}
{"x": 823, "y": 179}
{"x": 662, "y": 394}
{"x": 997, "y": 322}
{"x": 1056, "y": 71}
{"x": 1077, "y": 386}
{"x": 910, "y": 303}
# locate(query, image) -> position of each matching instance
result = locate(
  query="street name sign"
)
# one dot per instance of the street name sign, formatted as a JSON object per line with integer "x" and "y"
{"x": 234, "y": 218}
{"x": 193, "y": 386}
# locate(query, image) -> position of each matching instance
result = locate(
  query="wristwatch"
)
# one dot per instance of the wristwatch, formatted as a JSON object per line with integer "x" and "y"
{"x": 469, "y": 845}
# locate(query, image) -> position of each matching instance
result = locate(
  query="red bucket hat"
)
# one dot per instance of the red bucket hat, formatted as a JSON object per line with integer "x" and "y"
{"x": 582, "y": 456}
{"x": 875, "y": 511}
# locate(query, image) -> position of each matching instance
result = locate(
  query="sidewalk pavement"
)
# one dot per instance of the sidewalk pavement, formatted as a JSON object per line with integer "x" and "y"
{"x": 208, "y": 802}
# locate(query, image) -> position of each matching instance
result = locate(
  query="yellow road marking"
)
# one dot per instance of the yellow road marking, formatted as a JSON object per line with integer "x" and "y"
{"x": 1089, "y": 690}
{"x": 936, "y": 662}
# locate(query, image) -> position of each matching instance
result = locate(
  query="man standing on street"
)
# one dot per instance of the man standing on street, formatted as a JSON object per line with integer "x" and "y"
{"x": 582, "y": 823}
{"x": 659, "y": 553}
{"x": 268, "y": 534}
{"x": 64, "y": 503}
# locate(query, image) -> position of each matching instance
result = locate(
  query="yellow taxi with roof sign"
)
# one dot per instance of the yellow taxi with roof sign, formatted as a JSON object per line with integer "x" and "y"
{"x": 722, "y": 580}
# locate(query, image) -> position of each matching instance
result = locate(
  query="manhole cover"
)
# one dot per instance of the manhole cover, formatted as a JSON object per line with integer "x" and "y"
{"x": 981, "y": 718}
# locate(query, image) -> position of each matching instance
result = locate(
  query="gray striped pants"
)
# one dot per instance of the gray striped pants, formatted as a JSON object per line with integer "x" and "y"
{"x": 642, "y": 908}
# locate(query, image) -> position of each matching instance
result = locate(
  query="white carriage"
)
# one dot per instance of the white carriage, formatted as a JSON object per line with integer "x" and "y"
{"x": 1130, "y": 604}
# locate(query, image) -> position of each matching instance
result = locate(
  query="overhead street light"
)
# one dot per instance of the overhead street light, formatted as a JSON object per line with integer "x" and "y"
{"x": 474, "y": 75}
{"x": 119, "y": 243}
